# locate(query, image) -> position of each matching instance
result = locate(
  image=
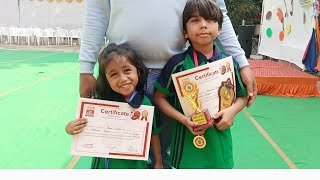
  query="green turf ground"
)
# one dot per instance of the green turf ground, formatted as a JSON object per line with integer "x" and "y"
{"x": 39, "y": 94}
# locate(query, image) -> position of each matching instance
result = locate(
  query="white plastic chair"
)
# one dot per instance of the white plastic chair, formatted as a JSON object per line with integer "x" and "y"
{"x": 25, "y": 33}
{"x": 63, "y": 34}
{"x": 13, "y": 33}
{"x": 50, "y": 33}
{"x": 39, "y": 35}
{"x": 5, "y": 34}
{"x": 75, "y": 34}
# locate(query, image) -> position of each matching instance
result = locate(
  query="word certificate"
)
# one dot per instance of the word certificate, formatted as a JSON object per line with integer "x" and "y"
{"x": 114, "y": 130}
{"x": 209, "y": 88}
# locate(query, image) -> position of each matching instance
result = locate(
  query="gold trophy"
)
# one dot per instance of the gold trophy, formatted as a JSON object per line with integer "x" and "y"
{"x": 190, "y": 91}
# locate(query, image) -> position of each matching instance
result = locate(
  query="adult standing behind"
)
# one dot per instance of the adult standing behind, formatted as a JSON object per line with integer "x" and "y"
{"x": 153, "y": 28}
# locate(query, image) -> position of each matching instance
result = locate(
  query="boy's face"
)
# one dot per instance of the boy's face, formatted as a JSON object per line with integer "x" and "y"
{"x": 122, "y": 76}
{"x": 200, "y": 31}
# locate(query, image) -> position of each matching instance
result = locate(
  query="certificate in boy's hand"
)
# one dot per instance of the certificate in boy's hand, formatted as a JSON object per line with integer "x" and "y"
{"x": 210, "y": 88}
{"x": 114, "y": 130}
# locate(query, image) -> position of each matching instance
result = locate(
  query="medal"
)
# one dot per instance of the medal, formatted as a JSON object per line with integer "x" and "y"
{"x": 199, "y": 141}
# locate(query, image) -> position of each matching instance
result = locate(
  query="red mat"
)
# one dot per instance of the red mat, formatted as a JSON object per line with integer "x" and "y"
{"x": 280, "y": 80}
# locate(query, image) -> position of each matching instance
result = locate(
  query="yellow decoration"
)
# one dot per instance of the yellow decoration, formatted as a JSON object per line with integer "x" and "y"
{"x": 288, "y": 29}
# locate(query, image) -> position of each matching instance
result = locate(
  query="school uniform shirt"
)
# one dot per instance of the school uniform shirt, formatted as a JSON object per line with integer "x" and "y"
{"x": 108, "y": 163}
{"x": 183, "y": 154}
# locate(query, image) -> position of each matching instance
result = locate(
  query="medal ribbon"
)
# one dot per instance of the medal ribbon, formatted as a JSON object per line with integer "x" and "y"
{"x": 195, "y": 58}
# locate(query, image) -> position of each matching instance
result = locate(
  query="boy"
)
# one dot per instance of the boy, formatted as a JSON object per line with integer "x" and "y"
{"x": 202, "y": 22}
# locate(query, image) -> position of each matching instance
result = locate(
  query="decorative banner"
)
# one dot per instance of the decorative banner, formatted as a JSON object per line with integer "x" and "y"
{"x": 286, "y": 30}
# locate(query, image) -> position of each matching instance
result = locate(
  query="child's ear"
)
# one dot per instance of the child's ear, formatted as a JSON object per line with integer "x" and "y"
{"x": 185, "y": 34}
{"x": 219, "y": 32}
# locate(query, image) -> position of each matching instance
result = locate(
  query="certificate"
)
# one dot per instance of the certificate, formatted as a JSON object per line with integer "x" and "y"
{"x": 210, "y": 87}
{"x": 114, "y": 130}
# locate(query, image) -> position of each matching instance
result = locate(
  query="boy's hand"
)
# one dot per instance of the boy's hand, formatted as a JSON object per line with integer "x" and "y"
{"x": 226, "y": 117}
{"x": 191, "y": 126}
{"x": 76, "y": 126}
{"x": 203, "y": 127}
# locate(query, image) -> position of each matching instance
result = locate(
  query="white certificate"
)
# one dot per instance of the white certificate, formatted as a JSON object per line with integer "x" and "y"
{"x": 209, "y": 87}
{"x": 114, "y": 130}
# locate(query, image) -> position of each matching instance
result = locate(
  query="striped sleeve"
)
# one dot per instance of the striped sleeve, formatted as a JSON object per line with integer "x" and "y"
{"x": 241, "y": 89}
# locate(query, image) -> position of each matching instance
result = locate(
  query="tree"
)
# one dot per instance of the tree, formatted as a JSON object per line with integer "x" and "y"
{"x": 247, "y": 10}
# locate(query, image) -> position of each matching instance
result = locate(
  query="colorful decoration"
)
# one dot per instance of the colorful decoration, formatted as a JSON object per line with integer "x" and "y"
{"x": 269, "y": 15}
{"x": 269, "y": 32}
{"x": 281, "y": 36}
{"x": 287, "y": 29}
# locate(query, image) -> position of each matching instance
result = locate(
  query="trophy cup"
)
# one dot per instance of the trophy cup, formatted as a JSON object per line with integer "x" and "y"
{"x": 190, "y": 91}
{"x": 226, "y": 94}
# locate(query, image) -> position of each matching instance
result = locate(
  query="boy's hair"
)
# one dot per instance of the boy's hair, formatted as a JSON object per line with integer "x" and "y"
{"x": 110, "y": 53}
{"x": 208, "y": 9}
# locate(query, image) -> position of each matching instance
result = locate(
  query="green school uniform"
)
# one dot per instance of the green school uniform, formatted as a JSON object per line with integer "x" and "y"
{"x": 183, "y": 154}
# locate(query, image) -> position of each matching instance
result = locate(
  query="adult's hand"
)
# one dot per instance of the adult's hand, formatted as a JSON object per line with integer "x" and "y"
{"x": 87, "y": 85}
{"x": 249, "y": 80}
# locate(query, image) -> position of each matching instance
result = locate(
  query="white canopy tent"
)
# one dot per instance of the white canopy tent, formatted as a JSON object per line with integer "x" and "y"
{"x": 66, "y": 14}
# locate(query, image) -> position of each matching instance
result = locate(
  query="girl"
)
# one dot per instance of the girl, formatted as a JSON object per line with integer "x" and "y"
{"x": 121, "y": 78}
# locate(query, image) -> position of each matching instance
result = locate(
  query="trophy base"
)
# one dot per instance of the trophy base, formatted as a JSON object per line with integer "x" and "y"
{"x": 203, "y": 119}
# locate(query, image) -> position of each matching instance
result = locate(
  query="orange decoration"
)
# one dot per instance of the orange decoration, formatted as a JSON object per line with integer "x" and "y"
{"x": 280, "y": 15}
{"x": 281, "y": 36}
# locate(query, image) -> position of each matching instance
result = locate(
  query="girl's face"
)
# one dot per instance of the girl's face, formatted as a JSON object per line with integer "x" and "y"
{"x": 200, "y": 31}
{"x": 122, "y": 76}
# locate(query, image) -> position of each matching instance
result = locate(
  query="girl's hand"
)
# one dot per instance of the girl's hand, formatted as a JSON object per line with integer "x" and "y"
{"x": 76, "y": 126}
{"x": 227, "y": 117}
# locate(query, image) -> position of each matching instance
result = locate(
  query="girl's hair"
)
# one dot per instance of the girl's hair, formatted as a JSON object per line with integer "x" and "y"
{"x": 111, "y": 53}
{"x": 206, "y": 8}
